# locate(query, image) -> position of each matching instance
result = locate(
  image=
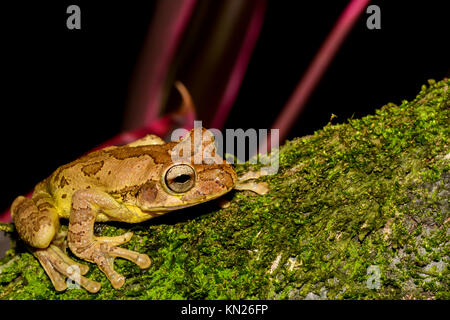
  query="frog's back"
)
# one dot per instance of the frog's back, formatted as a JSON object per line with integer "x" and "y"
{"x": 61, "y": 184}
{"x": 113, "y": 170}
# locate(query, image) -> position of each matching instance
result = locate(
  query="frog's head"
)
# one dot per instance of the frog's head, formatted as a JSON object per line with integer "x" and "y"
{"x": 194, "y": 174}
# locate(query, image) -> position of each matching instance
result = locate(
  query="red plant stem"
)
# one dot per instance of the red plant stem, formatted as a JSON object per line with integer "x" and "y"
{"x": 240, "y": 66}
{"x": 316, "y": 69}
{"x": 165, "y": 33}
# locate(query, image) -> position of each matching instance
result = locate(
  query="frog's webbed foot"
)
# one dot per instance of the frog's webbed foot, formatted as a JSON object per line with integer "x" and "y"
{"x": 256, "y": 187}
{"x": 103, "y": 251}
{"x": 247, "y": 182}
{"x": 59, "y": 267}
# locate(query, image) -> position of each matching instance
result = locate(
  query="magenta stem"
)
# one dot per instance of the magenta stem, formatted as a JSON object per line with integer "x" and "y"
{"x": 316, "y": 69}
{"x": 240, "y": 66}
{"x": 164, "y": 36}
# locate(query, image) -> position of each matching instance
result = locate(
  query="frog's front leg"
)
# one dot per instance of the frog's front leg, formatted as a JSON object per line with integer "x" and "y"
{"x": 86, "y": 204}
{"x": 246, "y": 182}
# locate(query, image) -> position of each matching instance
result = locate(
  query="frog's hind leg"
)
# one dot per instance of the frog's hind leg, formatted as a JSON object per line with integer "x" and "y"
{"x": 37, "y": 223}
{"x": 100, "y": 250}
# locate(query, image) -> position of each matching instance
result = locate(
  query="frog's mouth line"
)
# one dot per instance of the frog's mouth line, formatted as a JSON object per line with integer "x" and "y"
{"x": 162, "y": 210}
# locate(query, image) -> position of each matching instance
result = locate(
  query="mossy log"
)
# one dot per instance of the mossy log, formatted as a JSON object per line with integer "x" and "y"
{"x": 359, "y": 210}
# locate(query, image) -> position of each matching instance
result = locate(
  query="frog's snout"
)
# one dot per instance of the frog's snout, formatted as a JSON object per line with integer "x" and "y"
{"x": 217, "y": 179}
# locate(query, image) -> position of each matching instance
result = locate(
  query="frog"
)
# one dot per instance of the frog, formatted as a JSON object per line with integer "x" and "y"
{"x": 131, "y": 183}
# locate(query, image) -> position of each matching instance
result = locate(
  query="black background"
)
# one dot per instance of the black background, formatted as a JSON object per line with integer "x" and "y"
{"x": 277, "y": 309}
{"x": 64, "y": 92}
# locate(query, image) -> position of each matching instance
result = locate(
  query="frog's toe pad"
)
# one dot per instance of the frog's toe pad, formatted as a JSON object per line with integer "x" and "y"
{"x": 103, "y": 254}
{"x": 142, "y": 260}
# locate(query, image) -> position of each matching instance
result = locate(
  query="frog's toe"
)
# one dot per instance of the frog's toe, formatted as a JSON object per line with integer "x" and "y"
{"x": 103, "y": 253}
{"x": 142, "y": 260}
{"x": 56, "y": 278}
{"x": 106, "y": 264}
{"x": 109, "y": 246}
{"x": 59, "y": 266}
{"x": 256, "y": 187}
{"x": 64, "y": 257}
{"x": 117, "y": 240}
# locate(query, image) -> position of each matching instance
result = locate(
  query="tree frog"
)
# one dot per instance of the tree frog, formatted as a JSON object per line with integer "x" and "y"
{"x": 130, "y": 183}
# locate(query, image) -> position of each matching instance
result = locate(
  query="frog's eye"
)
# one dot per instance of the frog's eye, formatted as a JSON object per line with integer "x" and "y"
{"x": 180, "y": 178}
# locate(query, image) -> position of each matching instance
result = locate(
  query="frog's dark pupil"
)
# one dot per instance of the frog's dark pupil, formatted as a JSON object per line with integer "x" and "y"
{"x": 182, "y": 178}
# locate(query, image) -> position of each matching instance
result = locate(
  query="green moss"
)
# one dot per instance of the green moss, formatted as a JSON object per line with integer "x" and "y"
{"x": 368, "y": 192}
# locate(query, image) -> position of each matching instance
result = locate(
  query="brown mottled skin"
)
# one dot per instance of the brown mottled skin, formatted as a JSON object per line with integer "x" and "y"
{"x": 130, "y": 183}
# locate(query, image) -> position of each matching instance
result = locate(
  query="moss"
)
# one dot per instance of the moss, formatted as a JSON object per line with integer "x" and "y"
{"x": 371, "y": 192}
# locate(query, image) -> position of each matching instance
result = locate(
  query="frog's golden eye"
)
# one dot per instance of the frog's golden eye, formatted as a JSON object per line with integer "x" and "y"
{"x": 180, "y": 178}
